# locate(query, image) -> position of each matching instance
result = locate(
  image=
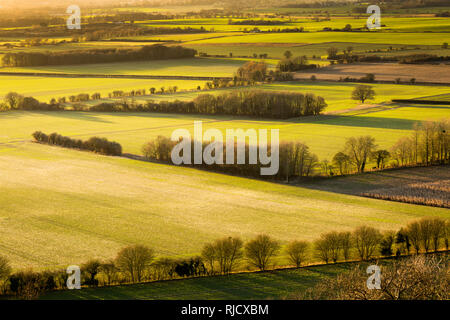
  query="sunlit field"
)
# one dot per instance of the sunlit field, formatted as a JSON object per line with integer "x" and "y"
{"x": 91, "y": 206}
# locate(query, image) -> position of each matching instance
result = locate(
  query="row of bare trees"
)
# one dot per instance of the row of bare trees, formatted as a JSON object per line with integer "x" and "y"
{"x": 138, "y": 263}
{"x": 425, "y": 235}
{"x": 428, "y": 144}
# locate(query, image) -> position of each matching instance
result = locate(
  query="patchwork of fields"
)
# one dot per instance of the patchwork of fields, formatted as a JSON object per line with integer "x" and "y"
{"x": 61, "y": 207}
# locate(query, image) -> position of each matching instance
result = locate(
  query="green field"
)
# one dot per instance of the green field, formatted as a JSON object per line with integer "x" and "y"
{"x": 325, "y": 135}
{"x": 70, "y": 206}
{"x": 46, "y": 88}
{"x": 397, "y": 24}
{"x": 337, "y": 95}
{"x": 203, "y": 67}
{"x": 321, "y": 37}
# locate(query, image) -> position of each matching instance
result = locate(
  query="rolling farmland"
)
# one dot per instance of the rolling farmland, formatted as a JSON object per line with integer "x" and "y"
{"x": 92, "y": 206}
{"x": 61, "y": 206}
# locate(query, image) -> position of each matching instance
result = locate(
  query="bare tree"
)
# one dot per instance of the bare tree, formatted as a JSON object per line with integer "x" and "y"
{"x": 109, "y": 270}
{"x": 297, "y": 252}
{"x": 342, "y": 161}
{"x": 228, "y": 252}
{"x": 345, "y": 240}
{"x": 414, "y": 234}
{"x": 209, "y": 256}
{"x": 437, "y": 232}
{"x": 359, "y": 149}
{"x": 334, "y": 243}
{"x": 261, "y": 251}
{"x": 134, "y": 260}
{"x": 323, "y": 249}
{"x": 366, "y": 240}
{"x": 387, "y": 242}
{"x": 363, "y": 93}
{"x": 426, "y": 233}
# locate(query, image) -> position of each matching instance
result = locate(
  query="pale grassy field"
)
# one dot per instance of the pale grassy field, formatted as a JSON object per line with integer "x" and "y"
{"x": 46, "y": 88}
{"x": 69, "y": 206}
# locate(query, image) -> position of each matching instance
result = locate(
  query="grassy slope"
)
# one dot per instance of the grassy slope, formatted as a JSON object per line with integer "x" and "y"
{"x": 69, "y": 206}
{"x": 337, "y": 95}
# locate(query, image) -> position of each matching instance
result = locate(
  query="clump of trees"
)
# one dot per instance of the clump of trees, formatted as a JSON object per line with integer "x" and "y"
{"x": 252, "y": 71}
{"x": 261, "y": 103}
{"x": 153, "y": 52}
{"x": 223, "y": 255}
{"x": 255, "y": 103}
{"x": 428, "y": 144}
{"x": 295, "y": 159}
{"x": 296, "y": 64}
{"x": 15, "y": 101}
{"x": 94, "y": 144}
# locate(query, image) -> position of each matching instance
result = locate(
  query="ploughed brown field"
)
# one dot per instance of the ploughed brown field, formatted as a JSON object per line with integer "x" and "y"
{"x": 425, "y": 186}
{"x": 383, "y": 71}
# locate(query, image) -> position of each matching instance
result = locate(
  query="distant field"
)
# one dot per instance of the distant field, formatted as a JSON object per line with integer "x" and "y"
{"x": 383, "y": 71}
{"x": 321, "y": 37}
{"x": 205, "y": 67}
{"x": 337, "y": 95}
{"x": 277, "y": 50}
{"x": 69, "y": 206}
{"x": 46, "y": 88}
{"x": 392, "y": 24}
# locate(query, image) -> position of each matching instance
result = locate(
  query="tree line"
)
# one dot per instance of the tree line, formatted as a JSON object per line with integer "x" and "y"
{"x": 428, "y": 144}
{"x": 254, "y": 103}
{"x": 250, "y": 102}
{"x": 153, "y": 52}
{"x": 290, "y": 64}
{"x": 295, "y": 159}
{"x": 94, "y": 144}
{"x": 138, "y": 263}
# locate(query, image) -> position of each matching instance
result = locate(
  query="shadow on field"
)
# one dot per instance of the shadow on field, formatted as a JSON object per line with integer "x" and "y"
{"x": 358, "y": 121}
